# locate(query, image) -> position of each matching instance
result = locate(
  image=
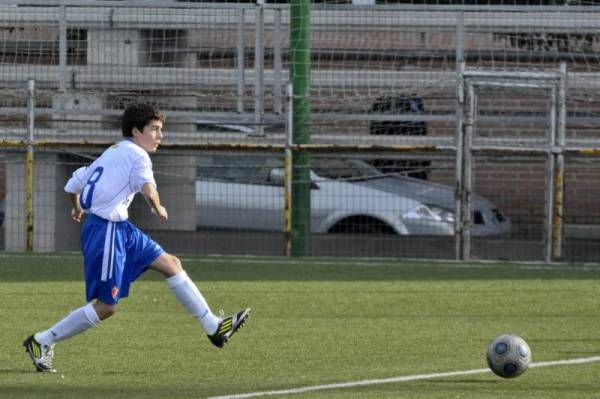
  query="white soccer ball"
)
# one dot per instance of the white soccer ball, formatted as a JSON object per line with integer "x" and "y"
{"x": 508, "y": 356}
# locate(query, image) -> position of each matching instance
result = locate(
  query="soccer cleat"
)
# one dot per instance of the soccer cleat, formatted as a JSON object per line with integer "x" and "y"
{"x": 228, "y": 326}
{"x": 41, "y": 355}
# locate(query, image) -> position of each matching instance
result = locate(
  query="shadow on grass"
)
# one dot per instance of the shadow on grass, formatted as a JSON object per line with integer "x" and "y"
{"x": 68, "y": 267}
{"x": 67, "y": 391}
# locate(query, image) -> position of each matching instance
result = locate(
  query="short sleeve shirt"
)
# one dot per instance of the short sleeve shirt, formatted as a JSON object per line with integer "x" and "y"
{"x": 108, "y": 185}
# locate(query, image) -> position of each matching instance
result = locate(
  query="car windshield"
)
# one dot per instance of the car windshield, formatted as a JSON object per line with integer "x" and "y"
{"x": 256, "y": 169}
{"x": 351, "y": 169}
{"x": 246, "y": 169}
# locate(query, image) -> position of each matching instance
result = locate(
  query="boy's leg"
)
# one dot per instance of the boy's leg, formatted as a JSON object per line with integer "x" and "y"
{"x": 189, "y": 295}
{"x": 218, "y": 330}
{"x": 75, "y": 323}
{"x": 40, "y": 346}
{"x": 186, "y": 291}
{"x": 97, "y": 235}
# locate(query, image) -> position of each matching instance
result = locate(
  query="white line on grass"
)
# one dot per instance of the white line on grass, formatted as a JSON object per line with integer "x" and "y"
{"x": 406, "y": 378}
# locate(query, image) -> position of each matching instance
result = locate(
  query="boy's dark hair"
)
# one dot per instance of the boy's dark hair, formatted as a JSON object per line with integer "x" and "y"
{"x": 139, "y": 115}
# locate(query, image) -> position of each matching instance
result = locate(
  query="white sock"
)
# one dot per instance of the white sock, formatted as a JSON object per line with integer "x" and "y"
{"x": 188, "y": 294}
{"x": 75, "y": 323}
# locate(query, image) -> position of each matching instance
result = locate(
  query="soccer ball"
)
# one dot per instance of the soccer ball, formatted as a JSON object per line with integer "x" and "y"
{"x": 508, "y": 356}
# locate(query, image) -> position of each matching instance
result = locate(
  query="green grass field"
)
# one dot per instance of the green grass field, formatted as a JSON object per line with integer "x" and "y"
{"x": 314, "y": 322}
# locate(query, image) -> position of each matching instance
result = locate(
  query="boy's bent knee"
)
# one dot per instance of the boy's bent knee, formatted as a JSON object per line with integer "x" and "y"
{"x": 104, "y": 310}
{"x": 167, "y": 264}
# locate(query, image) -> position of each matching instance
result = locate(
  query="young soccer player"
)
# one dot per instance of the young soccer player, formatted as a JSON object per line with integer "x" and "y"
{"x": 115, "y": 251}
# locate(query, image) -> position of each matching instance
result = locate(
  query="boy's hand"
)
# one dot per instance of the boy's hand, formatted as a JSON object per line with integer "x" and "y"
{"x": 77, "y": 214}
{"x": 161, "y": 212}
{"x": 153, "y": 199}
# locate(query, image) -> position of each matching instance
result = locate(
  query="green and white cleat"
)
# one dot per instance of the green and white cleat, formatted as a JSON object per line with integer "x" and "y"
{"x": 228, "y": 326}
{"x": 41, "y": 355}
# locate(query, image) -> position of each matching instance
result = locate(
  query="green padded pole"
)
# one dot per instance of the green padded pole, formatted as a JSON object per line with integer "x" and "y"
{"x": 300, "y": 78}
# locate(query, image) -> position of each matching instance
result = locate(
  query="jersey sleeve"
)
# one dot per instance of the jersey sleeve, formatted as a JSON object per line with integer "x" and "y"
{"x": 141, "y": 174}
{"x": 77, "y": 181}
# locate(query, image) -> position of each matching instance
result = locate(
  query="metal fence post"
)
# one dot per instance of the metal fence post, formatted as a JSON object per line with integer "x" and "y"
{"x": 550, "y": 183}
{"x": 259, "y": 68}
{"x": 240, "y": 61}
{"x": 559, "y": 171}
{"x": 277, "y": 63}
{"x": 287, "y": 176}
{"x": 459, "y": 143}
{"x": 29, "y": 166}
{"x": 62, "y": 49}
{"x": 467, "y": 171}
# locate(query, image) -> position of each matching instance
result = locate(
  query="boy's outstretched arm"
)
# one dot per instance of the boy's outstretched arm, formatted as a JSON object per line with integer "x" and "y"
{"x": 153, "y": 199}
{"x": 76, "y": 211}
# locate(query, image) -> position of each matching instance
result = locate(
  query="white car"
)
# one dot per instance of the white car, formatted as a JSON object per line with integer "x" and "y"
{"x": 347, "y": 196}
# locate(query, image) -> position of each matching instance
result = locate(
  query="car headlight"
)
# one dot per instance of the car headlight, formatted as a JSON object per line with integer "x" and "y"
{"x": 431, "y": 213}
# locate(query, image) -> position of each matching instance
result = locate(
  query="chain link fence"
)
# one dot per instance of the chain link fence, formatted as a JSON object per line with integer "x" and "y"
{"x": 391, "y": 173}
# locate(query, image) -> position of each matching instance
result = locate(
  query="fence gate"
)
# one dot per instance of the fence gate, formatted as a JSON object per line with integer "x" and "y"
{"x": 517, "y": 87}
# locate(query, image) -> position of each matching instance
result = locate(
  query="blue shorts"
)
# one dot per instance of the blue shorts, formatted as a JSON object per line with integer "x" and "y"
{"x": 115, "y": 254}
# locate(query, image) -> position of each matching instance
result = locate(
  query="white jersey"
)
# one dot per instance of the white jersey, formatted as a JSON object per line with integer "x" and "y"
{"x": 108, "y": 185}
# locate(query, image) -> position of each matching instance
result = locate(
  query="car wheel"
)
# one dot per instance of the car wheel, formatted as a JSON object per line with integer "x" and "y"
{"x": 361, "y": 225}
